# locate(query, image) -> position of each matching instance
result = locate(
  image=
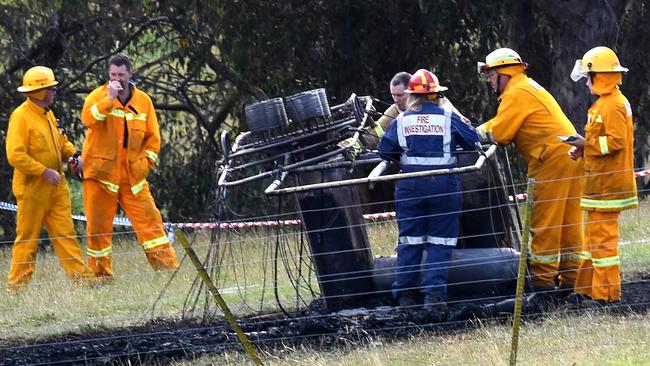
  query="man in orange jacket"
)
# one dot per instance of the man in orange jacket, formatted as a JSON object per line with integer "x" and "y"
{"x": 532, "y": 118}
{"x": 120, "y": 149}
{"x": 36, "y": 148}
{"x": 608, "y": 153}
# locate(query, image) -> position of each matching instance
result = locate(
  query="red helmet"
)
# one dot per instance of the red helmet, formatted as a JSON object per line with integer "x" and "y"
{"x": 424, "y": 82}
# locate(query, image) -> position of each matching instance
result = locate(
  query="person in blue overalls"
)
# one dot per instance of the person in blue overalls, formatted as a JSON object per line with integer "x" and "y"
{"x": 424, "y": 137}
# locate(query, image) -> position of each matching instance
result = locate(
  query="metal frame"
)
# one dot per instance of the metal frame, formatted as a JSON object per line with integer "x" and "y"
{"x": 359, "y": 113}
{"x": 375, "y": 176}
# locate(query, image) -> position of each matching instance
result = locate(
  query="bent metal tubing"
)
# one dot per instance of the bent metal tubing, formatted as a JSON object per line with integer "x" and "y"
{"x": 360, "y": 116}
{"x": 376, "y": 177}
{"x": 227, "y": 151}
{"x": 287, "y": 168}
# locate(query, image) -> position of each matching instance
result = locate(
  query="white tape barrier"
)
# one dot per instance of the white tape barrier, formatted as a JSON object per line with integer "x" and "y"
{"x": 124, "y": 221}
{"x": 640, "y": 173}
{"x": 383, "y": 216}
{"x": 520, "y": 197}
{"x": 118, "y": 220}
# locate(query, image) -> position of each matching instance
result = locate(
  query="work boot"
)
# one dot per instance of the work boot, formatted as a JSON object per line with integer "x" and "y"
{"x": 600, "y": 304}
{"x": 576, "y": 298}
{"x": 543, "y": 299}
{"x": 562, "y": 293}
{"x": 433, "y": 304}
{"x": 406, "y": 300}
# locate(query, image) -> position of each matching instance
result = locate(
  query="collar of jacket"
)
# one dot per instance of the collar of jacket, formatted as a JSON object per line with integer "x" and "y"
{"x": 604, "y": 83}
{"x": 513, "y": 80}
{"x": 36, "y": 108}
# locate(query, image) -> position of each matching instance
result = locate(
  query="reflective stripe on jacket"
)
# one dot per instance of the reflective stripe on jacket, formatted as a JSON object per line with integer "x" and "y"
{"x": 532, "y": 118}
{"x": 106, "y": 121}
{"x": 426, "y": 139}
{"x": 389, "y": 115}
{"x": 34, "y": 143}
{"x": 609, "y": 155}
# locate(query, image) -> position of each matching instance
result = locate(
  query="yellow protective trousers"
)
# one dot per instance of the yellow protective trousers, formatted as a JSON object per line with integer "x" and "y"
{"x": 43, "y": 203}
{"x": 101, "y": 206}
{"x": 556, "y": 220}
{"x": 599, "y": 276}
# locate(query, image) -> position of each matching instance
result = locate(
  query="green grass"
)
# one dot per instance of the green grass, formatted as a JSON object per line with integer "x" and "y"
{"x": 52, "y": 306}
{"x": 589, "y": 339}
{"x": 634, "y": 228}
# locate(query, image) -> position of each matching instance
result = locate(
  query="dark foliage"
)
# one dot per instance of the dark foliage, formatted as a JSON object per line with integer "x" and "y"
{"x": 202, "y": 61}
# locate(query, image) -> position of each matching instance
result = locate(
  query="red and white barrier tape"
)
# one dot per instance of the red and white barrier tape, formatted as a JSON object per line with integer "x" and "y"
{"x": 236, "y": 225}
{"x": 520, "y": 197}
{"x": 642, "y": 173}
{"x": 123, "y": 221}
{"x": 383, "y": 216}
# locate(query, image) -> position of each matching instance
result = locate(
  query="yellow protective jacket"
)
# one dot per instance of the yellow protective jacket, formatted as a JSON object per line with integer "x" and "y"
{"x": 34, "y": 143}
{"x": 389, "y": 115}
{"x": 529, "y": 115}
{"x": 106, "y": 121}
{"x": 609, "y": 155}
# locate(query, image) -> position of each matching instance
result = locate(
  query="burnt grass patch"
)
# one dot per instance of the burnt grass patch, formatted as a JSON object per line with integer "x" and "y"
{"x": 160, "y": 340}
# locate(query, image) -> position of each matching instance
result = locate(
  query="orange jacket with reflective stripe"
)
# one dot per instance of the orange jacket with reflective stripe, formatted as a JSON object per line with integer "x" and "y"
{"x": 34, "y": 143}
{"x": 609, "y": 155}
{"x": 389, "y": 115}
{"x": 104, "y": 143}
{"x": 529, "y": 115}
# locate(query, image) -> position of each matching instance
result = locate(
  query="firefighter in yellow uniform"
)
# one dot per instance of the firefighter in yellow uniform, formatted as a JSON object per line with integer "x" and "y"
{"x": 532, "y": 118}
{"x": 36, "y": 148}
{"x": 608, "y": 153}
{"x": 120, "y": 149}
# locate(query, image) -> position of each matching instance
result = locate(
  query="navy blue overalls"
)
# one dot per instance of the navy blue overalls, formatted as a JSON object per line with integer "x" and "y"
{"x": 428, "y": 208}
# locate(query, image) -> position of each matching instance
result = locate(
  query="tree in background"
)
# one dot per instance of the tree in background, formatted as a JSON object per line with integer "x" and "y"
{"x": 202, "y": 61}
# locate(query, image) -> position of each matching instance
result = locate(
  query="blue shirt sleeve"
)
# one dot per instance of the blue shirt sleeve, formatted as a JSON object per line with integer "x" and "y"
{"x": 464, "y": 134}
{"x": 389, "y": 148}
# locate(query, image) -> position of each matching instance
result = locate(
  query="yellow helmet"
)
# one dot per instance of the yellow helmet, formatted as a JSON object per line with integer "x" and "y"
{"x": 597, "y": 59}
{"x": 37, "y": 78}
{"x": 499, "y": 57}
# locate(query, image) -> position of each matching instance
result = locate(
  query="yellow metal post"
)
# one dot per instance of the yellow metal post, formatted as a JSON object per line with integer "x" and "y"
{"x": 521, "y": 273}
{"x": 248, "y": 346}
